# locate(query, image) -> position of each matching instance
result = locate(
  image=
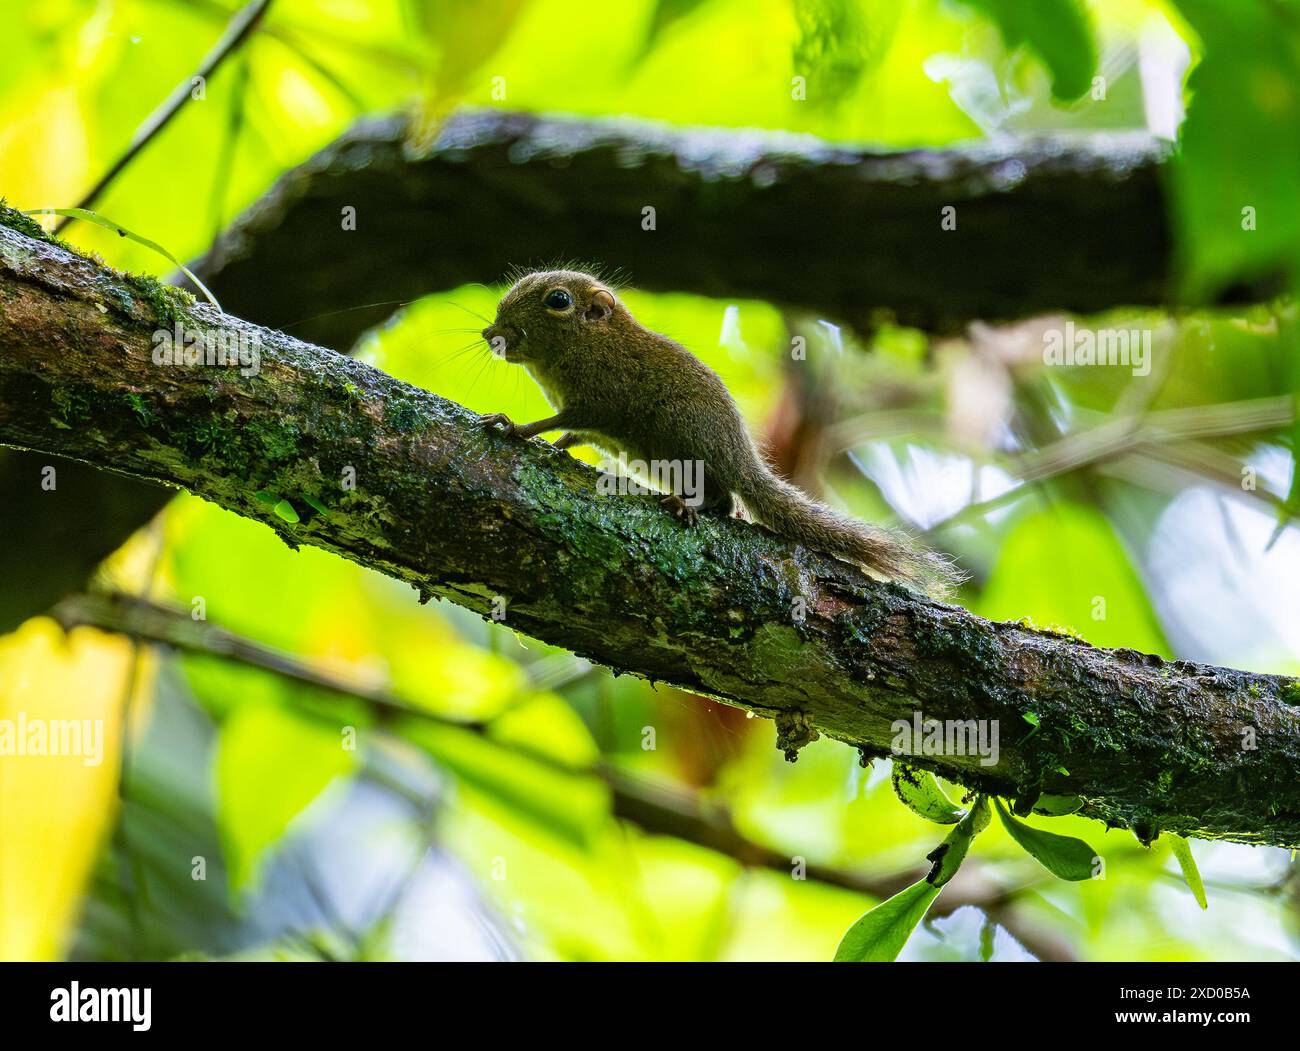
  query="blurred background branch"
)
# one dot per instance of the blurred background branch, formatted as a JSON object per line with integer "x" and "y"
{"x": 768, "y": 212}
{"x": 658, "y": 808}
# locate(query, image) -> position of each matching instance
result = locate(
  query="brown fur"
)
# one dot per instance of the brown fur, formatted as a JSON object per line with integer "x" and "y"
{"x": 621, "y": 387}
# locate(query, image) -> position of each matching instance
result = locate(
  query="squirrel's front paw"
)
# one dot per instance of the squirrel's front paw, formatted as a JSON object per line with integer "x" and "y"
{"x": 491, "y": 419}
{"x": 681, "y": 510}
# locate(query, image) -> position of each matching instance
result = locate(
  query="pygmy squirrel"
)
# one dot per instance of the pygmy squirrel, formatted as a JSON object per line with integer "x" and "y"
{"x": 615, "y": 384}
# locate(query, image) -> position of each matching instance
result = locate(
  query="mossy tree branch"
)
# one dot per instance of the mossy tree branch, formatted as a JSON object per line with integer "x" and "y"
{"x": 725, "y": 610}
{"x": 842, "y": 232}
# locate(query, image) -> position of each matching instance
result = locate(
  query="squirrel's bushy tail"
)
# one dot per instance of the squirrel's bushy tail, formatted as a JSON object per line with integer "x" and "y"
{"x": 794, "y": 515}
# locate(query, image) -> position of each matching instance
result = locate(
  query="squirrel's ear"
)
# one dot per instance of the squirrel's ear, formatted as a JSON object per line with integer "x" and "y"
{"x": 602, "y": 305}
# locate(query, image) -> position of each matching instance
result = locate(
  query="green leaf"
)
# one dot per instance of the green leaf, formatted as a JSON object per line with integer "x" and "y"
{"x": 1062, "y": 856}
{"x": 285, "y": 510}
{"x": 1244, "y": 104}
{"x": 1183, "y": 852}
{"x": 839, "y": 41}
{"x": 988, "y": 936}
{"x": 1057, "y": 806}
{"x": 949, "y": 855}
{"x": 880, "y": 933}
{"x": 921, "y": 793}
{"x": 463, "y": 37}
{"x": 1057, "y": 30}
{"x": 270, "y": 765}
{"x": 122, "y": 231}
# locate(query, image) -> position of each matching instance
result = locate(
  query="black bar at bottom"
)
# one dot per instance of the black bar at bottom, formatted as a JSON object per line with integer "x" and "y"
{"x": 367, "y": 1000}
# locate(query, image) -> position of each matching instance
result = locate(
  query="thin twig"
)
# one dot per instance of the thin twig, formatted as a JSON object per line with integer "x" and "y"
{"x": 239, "y": 29}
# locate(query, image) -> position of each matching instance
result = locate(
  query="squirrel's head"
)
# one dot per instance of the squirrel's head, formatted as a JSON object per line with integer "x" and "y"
{"x": 549, "y": 310}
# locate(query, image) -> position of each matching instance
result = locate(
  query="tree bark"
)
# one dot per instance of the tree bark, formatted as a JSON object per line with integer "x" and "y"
{"x": 724, "y": 610}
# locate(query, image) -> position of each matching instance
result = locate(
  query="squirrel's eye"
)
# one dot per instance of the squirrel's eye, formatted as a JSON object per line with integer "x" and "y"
{"x": 559, "y": 300}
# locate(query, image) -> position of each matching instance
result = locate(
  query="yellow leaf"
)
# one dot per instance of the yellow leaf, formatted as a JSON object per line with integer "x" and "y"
{"x": 57, "y": 694}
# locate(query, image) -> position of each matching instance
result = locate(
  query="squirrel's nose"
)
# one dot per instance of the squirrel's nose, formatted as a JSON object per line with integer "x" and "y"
{"x": 501, "y": 337}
